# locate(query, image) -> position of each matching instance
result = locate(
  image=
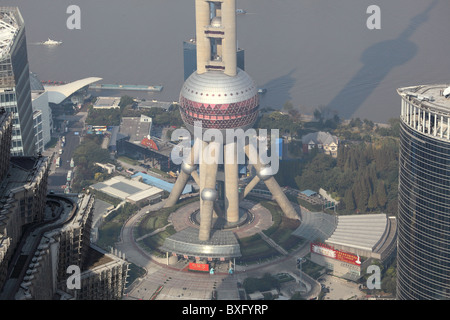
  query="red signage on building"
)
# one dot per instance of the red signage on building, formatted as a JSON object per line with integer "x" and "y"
{"x": 149, "y": 143}
{"x": 348, "y": 257}
{"x": 199, "y": 266}
{"x": 330, "y": 252}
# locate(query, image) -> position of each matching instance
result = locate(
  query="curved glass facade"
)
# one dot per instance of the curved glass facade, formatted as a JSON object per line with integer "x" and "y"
{"x": 15, "y": 92}
{"x": 423, "y": 258}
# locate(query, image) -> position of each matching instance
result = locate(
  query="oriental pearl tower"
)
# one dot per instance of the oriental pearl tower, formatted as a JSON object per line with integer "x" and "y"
{"x": 220, "y": 96}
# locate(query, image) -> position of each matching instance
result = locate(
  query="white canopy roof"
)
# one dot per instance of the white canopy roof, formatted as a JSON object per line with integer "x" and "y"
{"x": 57, "y": 94}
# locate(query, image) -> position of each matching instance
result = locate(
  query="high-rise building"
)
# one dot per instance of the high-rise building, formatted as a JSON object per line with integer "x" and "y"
{"x": 15, "y": 93}
{"x": 23, "y": 190}
{"x": 65, "y": 245}
{"x": 42, "y": 237}
{"x": 5, "y": 141}
{"x": 39, "y": 98}
{"x": 423, "y": 249}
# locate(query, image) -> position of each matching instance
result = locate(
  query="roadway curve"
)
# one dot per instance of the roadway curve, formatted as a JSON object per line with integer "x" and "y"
{"x": 134, "y": 253}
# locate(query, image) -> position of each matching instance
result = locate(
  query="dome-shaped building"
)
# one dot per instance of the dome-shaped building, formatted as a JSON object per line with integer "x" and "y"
{"x": 219, "y": 101}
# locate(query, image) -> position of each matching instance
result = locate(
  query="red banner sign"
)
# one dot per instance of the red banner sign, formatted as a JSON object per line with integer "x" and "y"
{"x": 199, "y": 266}
{"x": 348, "y": 257}
{"x": 329, "y": 251}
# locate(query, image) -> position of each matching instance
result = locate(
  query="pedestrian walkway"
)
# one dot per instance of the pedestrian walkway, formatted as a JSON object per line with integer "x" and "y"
{"x": 154, "y": 232}
{"x": 272, "y": 243}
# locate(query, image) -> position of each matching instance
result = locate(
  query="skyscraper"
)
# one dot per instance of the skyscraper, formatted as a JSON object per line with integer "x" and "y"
{"x": 15, "y": 93}
{"x": 42, "y": 236}
{"x": 423, "y": 257}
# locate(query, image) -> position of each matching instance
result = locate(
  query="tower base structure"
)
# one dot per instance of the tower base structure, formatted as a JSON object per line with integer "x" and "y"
{"x": 222, "y": 244}
{"x": 210, "y": 209}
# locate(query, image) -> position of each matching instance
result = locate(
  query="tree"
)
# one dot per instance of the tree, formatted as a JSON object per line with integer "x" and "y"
{"x": 125, "y": 101}
{"x": 361, "y": 195}
{"x": 318, "y": 115}
{"x": 99, "y": 176}
{"x": 381, "y": 194}
{"x": 349, "y": 200}
{"x": 85, "y": 156}
{"x": 109, "y": 117}
{"x": 372, "y": 203}
{"x": 292, "y": 111}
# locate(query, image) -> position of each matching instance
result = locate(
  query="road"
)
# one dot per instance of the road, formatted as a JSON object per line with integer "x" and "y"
{"x": 58, "y": 176}
{"x": 180, "y": 284}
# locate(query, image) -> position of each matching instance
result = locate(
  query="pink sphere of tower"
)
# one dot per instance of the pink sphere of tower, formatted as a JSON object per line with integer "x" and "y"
{"x": 219, "y": 101}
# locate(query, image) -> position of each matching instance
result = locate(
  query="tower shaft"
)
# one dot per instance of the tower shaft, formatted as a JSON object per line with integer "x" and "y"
{"x": 231, "y": 183}
{"x": 216, "y": 36}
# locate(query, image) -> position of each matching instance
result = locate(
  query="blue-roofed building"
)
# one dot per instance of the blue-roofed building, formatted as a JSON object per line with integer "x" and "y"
{"x": 309, "y": 193}
{"x": 159, "y": 183}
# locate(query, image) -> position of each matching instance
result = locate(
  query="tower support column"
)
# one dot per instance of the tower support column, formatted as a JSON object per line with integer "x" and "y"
{"x": 271, "y": 184}
{"x": 208, "y": 194}
{"x": 187, "y": 169}
{"x": 231, "y": 183}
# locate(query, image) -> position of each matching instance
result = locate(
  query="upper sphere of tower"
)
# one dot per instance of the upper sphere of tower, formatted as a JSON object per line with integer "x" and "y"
{"x": 219, "y": 101}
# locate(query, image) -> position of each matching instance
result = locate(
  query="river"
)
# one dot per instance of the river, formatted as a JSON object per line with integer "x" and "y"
{"x": 313, "y": 53}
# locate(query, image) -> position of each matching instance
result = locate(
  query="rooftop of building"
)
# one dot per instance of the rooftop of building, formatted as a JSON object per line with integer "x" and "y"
{"x": 138, "y": 129}
{"x": 21, "y": 173}
{"x": 57, "y": 94}
{"x": 359, "y": 231}
{"x": 107, "y": 102}
{"x": 96, "y": 258}
{"x": 319, "y": 137}
{"x": 153, "y": 104}
{"x": 126, "y": 189}
{"x": 10, "y": 23}
{"x": 429, "y": 96}
{"x": 159, "y": 183}
{"x": 71, "y": 208}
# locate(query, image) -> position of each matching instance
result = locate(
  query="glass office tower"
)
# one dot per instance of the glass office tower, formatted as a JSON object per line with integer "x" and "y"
{"x": 423, "y": 255}
{"x": 15, "y": 93}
